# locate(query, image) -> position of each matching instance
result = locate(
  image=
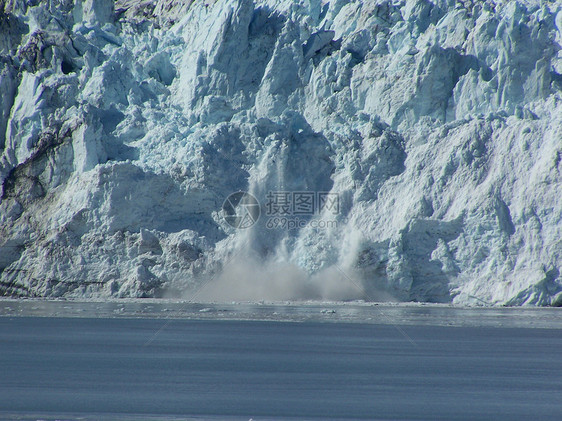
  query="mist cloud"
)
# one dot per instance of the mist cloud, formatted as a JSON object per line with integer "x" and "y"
{"x": 249, "y": 279}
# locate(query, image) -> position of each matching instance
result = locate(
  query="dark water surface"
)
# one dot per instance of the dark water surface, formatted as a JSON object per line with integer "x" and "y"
{"x": 149, "y": 368}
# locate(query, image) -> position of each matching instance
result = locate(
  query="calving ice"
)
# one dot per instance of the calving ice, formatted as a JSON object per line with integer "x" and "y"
{"x": 126, "y": 125}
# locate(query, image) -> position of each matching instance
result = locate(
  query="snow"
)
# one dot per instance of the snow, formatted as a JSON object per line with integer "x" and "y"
{"x": 125, "y": 126}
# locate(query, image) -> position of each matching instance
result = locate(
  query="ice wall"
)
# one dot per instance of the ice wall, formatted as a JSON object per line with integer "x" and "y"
{"x": 438, "y": 124}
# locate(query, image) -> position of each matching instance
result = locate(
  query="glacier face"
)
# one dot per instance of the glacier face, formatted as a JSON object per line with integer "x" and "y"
{"x": 124, "y": 126}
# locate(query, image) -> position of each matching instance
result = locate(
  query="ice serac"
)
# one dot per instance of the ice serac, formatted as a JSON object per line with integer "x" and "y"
{"x": 124, "y": 125}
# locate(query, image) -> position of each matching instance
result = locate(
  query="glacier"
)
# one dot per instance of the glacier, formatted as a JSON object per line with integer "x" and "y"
{"x": 125, "y": 124}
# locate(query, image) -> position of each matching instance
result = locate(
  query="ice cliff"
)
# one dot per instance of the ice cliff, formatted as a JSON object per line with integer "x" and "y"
{"x": 124, "y": 126}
